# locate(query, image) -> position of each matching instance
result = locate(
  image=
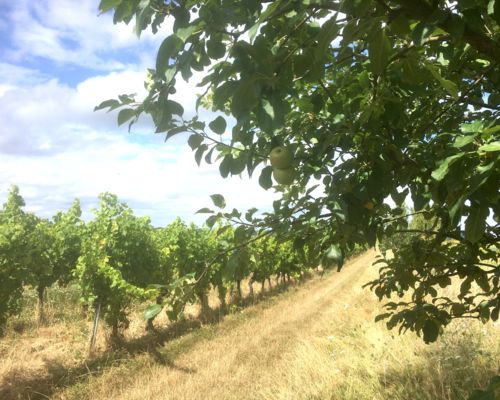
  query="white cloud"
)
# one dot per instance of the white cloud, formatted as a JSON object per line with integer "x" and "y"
{"x": 56, "y": 148}
{"x": 70, "y": 32}
{"x": 15, "y": 75}
{"x": 161, "y": 181}
{"x": 47, "y": 118}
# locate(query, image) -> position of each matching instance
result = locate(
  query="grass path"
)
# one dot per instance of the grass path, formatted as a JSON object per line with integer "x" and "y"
{"x": 238, "y": 361}
{"x": 317, "y": 341}
{"x": 314, "y": 341}
{"x": 236, "y": 358}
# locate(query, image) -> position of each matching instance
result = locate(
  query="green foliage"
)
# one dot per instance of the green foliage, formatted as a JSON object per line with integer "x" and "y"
{"x": 376, "y": 99}
{"x": 13, "y": 254}
{"x": 40, "y": 255}
{"x": 190, "y": 250}
{"x": 68, "y": 233}
{"x": 35, "y": 251}
{"x": 265, "y": 251}
{"x": 118, "y": 260}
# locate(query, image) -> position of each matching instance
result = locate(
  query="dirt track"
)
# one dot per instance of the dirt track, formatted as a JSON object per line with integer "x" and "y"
{"x": 240, "y": 359}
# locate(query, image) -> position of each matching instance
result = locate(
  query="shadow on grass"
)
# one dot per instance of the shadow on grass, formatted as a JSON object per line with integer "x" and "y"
{"x": 453, "y": 367}
{"x": 18, "y": 385}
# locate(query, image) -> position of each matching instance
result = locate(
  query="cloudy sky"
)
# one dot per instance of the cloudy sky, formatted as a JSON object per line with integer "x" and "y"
{"x": 58, "y": 60}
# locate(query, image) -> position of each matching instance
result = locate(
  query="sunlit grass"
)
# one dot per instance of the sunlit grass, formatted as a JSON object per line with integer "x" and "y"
{"x": 313, "y": 341}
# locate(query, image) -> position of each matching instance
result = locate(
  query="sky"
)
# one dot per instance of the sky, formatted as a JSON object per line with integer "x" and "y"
{"x": 58, "y": 60}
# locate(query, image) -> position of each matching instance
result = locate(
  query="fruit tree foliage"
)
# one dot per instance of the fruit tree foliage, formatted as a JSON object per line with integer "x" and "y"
{"x": 378, "y": 100}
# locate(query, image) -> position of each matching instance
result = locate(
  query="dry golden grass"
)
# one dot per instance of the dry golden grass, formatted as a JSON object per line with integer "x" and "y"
{"x": 314, "y": 341}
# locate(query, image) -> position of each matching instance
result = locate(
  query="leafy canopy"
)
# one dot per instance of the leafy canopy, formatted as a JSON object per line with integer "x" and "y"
{"x": 386, "y": 99}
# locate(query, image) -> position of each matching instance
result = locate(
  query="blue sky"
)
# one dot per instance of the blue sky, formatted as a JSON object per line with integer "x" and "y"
{"x": 60, "y": 58}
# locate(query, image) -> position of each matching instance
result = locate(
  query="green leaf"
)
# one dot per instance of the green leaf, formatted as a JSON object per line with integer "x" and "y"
{"x": 168, "y": 49}
{"x": 174, "y": 108}
{"x": 333, "y": 255}
{"x": 400, "y": 26}
{"x": 269, "y": 109}
{"x": 456, "y": 209}
{"x": 474, "y": 19}
{"x": 494, "y": 10}
{"x": 225, "y": 166}
{"x": 430, "y": 330}
{"x": 195, "y": 140}
{"x": 457, "y": 309}
{"x": 473, "y": 127}
{"x": 456, "y": 27}
{"x": 111, "y": 104}
{"x": 124, "y": 115}
{"x": 152, "y": 311}
{"x": 216, "y": 48}
{"x": 490, "y": 147}
{"x": 440, "y": 172}
{"x": 449, "y": 86}
{"x": 411, "y": 71}
{"x": 106, "y": 5}
{"x": 185, "y": 33}
{"x": 218, "y": 200}
{"x": 204, "y": 210}
{"x": 244, "y": 98}
{"x": 126, "y": 98}
{"x": 218, "y": 125}
{"x": 249, "y": 214}
{"x": 123, "y": 12}
{"x": 211, "y": 221}
{"x": 421, "y": 32}
{"x": 265, "y": 180}
{"x": 199, "y": 153}
{"x": 240, "y": 234}
{"x": 399, "y": 198}
{"x": 253, "y": 31}
{"x": 379, "y": 50}
{"x": 476, "y": 223}
{"x": 492, "y": 130}
{"x": 461, "y": 141}
{"x": 329, "y": 31}
{"x": 238, "y": 165}
{"x": 170, "y": 74}
{"x": 269, "y": 11}
{"x": 141, "y": 17}
{"x": 175, "y": 131}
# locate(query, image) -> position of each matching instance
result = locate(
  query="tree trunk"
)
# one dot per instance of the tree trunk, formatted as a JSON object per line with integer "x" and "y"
{"x": 115, "y": 334}
{"x": 205, "y": 308}
{"x": 41, "y": 305}
{"x": 238, "y": 290}
{"x": 262, "y": 286}
{"x": 222, "y": 297}
{"x": 85, "y": 310}
{"x": 269, "y": 282}
{"x": 250, "y": 287}
{"x": 149, "y": 325}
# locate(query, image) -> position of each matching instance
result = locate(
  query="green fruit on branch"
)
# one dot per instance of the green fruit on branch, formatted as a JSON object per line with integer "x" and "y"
{"x": 281, "y": 157}
{"x": 284, "y": 176}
